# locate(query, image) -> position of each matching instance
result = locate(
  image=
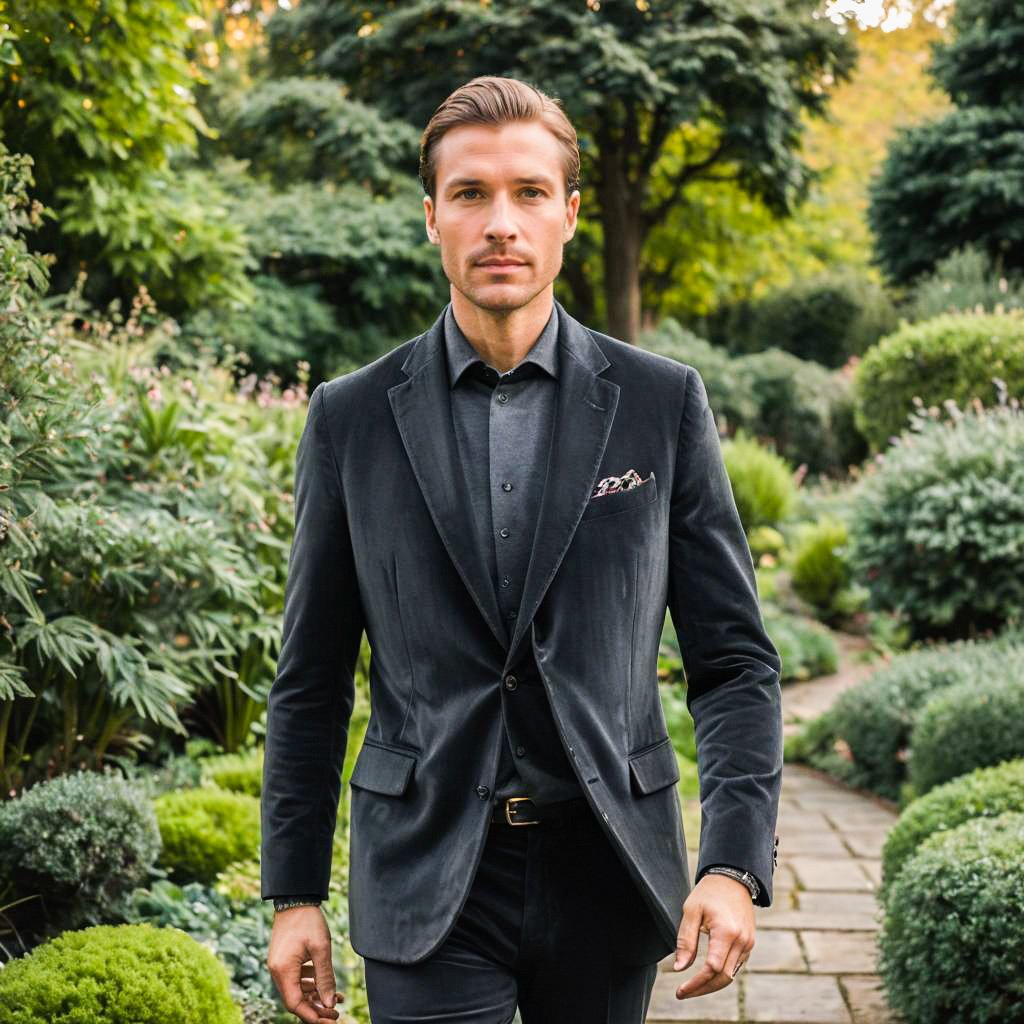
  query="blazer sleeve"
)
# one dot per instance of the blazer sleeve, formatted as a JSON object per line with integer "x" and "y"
{"x": 311, "y": 698}
{"x": 732, "y": 667}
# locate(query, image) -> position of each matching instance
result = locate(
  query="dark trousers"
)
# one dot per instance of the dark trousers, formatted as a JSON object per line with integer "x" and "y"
{"x": 553, "y": 923}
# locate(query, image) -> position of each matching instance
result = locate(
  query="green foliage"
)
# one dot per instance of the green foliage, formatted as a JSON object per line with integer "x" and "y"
{"x": 805, "y": 409}
{"x": 111, "y": 974}
{"x": 729, "y": 392}
{"x": 965, "y": 281}
{"x": 937, "y": 532}
{"x": 728, "y": 81}
{"x": 238, "y": 933}
{"x": 969, "y": 726}
{"x": 952, "y": 939}
{"x": 77, "y": 844}
{"x": 982, "y": 62}
{"x": 983, "y": 792}
{"x": 872, "y": 722}
{"x": 240, "y": 773}
{"x": 916, "y": 217}
{"x": 951, "y": 357}
{"x": 206, "y": 829}
{"x": 309, "y": 129}
{"x": 100, "y": 96}
{"x": 765, "y": 540}
{"x": 806, "y": 647}
{"x": 368, "y": 255}
{"x": 824, "y": 319}
{"x": 819, "y": 569}
{"x": 762, "y": 482}
{"x": 145, "y": 514}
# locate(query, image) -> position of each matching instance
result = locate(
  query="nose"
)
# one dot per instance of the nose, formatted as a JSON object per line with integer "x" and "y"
{"x": 500, "y": 224}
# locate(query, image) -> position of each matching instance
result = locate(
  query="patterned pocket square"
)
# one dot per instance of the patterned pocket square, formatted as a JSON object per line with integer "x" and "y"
{"x": 614, "y": 484}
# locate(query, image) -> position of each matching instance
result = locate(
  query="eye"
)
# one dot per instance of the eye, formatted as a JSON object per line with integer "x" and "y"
{"x": 464, "y": 191}
{"x": 538, "y": 192}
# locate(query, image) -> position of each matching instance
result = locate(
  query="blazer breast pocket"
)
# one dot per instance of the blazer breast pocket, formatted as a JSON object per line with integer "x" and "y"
{"x": 621, "y": 501}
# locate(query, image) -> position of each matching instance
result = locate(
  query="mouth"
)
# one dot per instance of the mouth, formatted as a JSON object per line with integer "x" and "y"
{"x": 501, "y": 266}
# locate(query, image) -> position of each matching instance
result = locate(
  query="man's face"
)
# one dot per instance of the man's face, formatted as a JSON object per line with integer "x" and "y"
{"x": 500, "y": 196}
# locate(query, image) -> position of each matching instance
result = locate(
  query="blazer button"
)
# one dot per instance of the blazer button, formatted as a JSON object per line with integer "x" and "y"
{"x": 511, "y": 682}
{"x": 483, "y": 792}
{"x": 520, "y": 750}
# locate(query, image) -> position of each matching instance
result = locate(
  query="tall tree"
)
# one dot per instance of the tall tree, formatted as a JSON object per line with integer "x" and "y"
{"x": 959, "y": 180}
{"x": 729, "y": 79}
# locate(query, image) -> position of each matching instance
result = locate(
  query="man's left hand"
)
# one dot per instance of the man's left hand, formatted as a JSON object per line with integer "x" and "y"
{"x": 722, "y": 907}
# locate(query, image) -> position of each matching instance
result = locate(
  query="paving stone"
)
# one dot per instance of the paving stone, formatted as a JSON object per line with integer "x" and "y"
{"x": 723, "y": 1005}
{"x": 863, "y": 814}
{"x": 821, "y": 844}
{"x": 800, "y": 820}
{"x": 872, "y": 867}
{"x": 776, "y": 951}
{"x": 842, "y": 904}
{"x": 867, "y": 1000}
{"x": 830, "y": 873}
{"x": 864, "y": 842}
{"x": 834, "y": 952}
{"x": 792, "y": 998}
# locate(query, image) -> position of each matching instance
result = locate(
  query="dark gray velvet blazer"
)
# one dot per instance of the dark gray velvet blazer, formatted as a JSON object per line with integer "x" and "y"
{"x": 383, "y": 542}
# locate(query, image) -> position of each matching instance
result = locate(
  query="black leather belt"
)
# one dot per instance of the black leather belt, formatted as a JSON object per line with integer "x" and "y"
{"x": 521, "y": 810}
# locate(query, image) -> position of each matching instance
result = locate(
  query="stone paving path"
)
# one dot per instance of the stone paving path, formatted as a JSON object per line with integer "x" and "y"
{"x": 814, "y": 958}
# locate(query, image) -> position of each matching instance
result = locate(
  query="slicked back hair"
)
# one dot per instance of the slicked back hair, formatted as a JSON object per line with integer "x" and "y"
{"x": 492, "y": 100}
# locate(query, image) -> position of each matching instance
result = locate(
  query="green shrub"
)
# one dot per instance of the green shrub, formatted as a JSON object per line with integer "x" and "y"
{"x": 206, "y": 829}
{"x": 804, "y": 408}
{"x": 969, "y": 726}
{"x": 806, "y": 647}
{"x": 240, "y": 773}
{"x": 824, "y": 319}
{"x": 765, "y": 540}
{"x": 111, "y": 974}
{"x": 762, "y": 482}
{"x": 964, "y": 282}
{"x": 952, "y": 356}
{"x": 875, "y": 718}
{"x": 82, "y": 842}
{"x": 984, "y": 792}
{"x": 937, "y": 529}
{"x": 952, "y": 940}
{"x": 728, "y": 392}
{"x": 819, "y": 569}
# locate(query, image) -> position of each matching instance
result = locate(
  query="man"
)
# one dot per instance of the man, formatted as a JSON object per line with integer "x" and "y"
{"x": 507, "y": 504}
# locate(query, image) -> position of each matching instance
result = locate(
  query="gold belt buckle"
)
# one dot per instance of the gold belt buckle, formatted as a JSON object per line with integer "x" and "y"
{"x": 508, "y": 816}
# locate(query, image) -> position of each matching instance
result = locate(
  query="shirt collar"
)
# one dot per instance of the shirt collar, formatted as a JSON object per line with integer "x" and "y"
{"x": 461, "y": 354}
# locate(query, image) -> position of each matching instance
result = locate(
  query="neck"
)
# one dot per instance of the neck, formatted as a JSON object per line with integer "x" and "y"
{"x": 502, "y": 337}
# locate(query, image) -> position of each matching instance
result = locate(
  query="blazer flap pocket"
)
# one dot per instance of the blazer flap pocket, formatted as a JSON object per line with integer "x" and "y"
{"x": 382, "y": 769}
{"x": 655, "y": 767}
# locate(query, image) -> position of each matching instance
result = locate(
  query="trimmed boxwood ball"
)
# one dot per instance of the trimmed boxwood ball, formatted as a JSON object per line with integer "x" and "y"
{"x": 952, "y": 939}
{"x": 971, "y": 725}
{"x": 116, "y": 974}
{"x": 206, "y": 829}
{"x": 984, "y": 792}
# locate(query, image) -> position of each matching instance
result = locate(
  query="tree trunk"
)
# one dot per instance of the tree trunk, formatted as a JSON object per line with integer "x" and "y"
{"x": 622, "y": 245}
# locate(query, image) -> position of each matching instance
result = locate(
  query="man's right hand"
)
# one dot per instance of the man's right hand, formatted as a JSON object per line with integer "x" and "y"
{"x": 299, "y": 935}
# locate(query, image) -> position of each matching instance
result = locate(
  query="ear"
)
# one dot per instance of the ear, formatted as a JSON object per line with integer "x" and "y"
{"x": 428, "y": 210}
{"x": 572, "y": 208}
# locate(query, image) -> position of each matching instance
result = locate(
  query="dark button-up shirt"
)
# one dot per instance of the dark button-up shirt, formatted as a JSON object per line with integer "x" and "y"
{"x": 503, "y": 425}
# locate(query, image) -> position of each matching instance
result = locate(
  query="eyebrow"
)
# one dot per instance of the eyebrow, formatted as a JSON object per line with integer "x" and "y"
{"x": 462, "y": 182}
